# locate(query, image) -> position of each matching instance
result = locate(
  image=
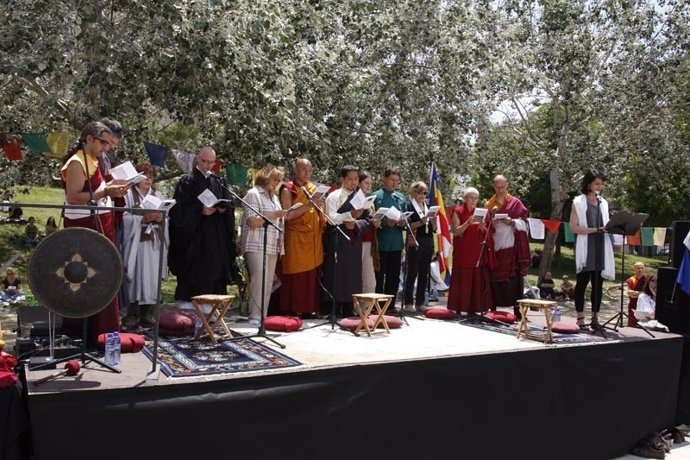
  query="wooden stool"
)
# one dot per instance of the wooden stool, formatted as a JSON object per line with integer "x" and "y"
{"x": 538, "y": 305}
{"x": 219, "y": 306}
{"x": 380, "y": 302}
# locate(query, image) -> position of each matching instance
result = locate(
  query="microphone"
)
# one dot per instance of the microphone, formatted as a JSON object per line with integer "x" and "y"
{"x": 598, "y": 196}
{"x": 304, "y": 190}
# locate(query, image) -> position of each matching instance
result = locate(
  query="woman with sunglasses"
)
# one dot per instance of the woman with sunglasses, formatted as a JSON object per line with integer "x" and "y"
{"x": 420, "y": 247}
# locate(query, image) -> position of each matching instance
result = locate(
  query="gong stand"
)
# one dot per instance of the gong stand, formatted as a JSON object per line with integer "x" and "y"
{"x": 61, "y": 270}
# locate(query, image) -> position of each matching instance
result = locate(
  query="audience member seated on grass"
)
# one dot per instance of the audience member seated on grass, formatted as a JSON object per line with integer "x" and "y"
{"x": 51, "y": 226}
{"x": 567, "y": 288}
{"x": 11, "y": 288}
{"x": 546, "y": 287}
{"x": 646, "y": 301}
{"x": 31, "y": 233}
{"x": 16, "y": 212}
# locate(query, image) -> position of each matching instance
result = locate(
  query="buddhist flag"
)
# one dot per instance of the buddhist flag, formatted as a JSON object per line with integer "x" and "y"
{"x": 59, "y": 143}
{"x": 184, "y": 160}
{"x": 683, "y": 277}
{"x": 443, "y": 239}
{"x": 156, "y": 153}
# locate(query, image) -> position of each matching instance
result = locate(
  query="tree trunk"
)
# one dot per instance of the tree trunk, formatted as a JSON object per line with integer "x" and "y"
{"x": 556, "y": 211}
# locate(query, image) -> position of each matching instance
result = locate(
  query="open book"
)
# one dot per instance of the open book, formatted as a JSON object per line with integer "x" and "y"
{"x": 153, "y": 203}
{"x": 479, "y": 215}
{"x": 360, "y": 201}
{"x": 209, "y": 200}
{"x": 320, "y": 192}
{"x": 433, "y": 212}
{"x": 295, "y": 206}
{"x": 126, "y": 172}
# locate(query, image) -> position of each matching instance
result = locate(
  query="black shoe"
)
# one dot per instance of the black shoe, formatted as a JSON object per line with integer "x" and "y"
{"x": 595, "y": 324}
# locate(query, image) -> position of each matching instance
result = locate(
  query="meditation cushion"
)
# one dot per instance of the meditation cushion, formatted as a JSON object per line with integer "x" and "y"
{"x": 129, "y": 343}
{"x": 502, "y": 316}
{"x": 174, "y": 322}
{"x": 352, "y": 322}
{"x": 439, "y": 313}
{"x": 282, "y": 323}
{"x": 565, "y": 327}
{"x": 393, "y": 321}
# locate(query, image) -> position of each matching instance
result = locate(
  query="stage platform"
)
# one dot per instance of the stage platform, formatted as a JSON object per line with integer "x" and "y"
{"x": 430, "y": 390}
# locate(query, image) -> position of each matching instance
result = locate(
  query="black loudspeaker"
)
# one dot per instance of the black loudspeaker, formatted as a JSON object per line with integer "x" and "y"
{"x": 680, "y": 231}
{"x": 37, "y": 316}
{"x": 672, "y": 304}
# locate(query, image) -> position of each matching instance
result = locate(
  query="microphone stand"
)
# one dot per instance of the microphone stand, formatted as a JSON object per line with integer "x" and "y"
{"x": 408, "y": 227}
{"x": 336, "y": 234}
{"x": 267, "y": 222}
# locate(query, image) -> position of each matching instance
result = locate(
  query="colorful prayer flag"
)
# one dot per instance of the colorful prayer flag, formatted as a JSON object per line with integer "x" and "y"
{"x": 568, "y": 234}
{"x": 443, "y": 239}
{"x": 59, "y": 144}
{"x": 156, "y": 153}
{"x": 634, "y": 240}
{"x": 236, "y": 174}
{"x": 36, "y": 142}
{"x": 10, "y": 146}
{"x": 536, "y": 228}
{"x": 659, "y": 236}
{"x": 552, "y": 226}
{"x": 647, "y": 236}
{"x": 184, "y": 160}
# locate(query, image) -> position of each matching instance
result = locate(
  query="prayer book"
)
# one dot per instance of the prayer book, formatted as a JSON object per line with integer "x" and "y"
{"x": 126, "y": 172}
{"x": 153, "y": 203}
{"x": 479, "y": 215}
{"x": 433, "y": 212}
{"x": 500, "y": 216}
{"x": 360, "y": 201}
{"x": 209, "y": 200}
{"x": 320, "y": 192}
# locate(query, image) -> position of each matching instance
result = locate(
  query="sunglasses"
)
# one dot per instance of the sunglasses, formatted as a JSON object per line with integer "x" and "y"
{"x": 423, "y": 193}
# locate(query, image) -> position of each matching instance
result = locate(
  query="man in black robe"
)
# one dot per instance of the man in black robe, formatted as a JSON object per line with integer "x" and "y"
{"x": 202, "y": 239}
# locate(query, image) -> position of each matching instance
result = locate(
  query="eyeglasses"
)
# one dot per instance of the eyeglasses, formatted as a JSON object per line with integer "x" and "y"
{"x": 424, "y": 192}
{"x": 103, "y": 142}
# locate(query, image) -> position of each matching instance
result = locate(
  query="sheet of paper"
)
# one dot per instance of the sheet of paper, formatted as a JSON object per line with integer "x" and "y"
{"x": 479, "y": 214}
{"x": 320, "y": 192}
{"x": 127, "y": 172}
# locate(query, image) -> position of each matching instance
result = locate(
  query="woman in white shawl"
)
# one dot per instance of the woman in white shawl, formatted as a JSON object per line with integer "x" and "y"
{"x": 593, "y": 249}
{"x": 143, "y": 235}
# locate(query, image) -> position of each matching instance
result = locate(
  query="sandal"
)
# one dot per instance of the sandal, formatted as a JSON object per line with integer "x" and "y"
{"x": 581, "y": 323}
{"x": 595, "y": 324}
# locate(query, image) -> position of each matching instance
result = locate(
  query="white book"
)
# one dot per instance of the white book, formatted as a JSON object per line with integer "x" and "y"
{"x": 361, "y": 201}
{"x": 433, "y": 212}
{"x": 210, "y": 200}
{"x": 500, "y": 216}
{"x": 479, "y": 215}
{"x": 126, "y": 172}
{"x": 380, "y": 213}
{"x": 152, "y": 202}
{"x": 320, "y": 192}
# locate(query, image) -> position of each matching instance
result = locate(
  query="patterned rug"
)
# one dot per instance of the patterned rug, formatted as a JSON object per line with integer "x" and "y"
{"x": 511, "y": 329}
{"x": 186, "y": 357}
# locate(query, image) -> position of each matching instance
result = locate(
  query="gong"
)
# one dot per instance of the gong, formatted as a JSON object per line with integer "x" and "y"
{"x": 75, "y": 272}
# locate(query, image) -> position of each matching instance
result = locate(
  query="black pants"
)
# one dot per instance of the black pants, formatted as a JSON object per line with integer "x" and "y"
{"x": 583, "y": 278}
{"x": 418, "y": 267}
{"x": 388, "y": 277}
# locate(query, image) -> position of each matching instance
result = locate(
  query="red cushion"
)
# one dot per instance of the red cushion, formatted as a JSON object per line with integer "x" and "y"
{"x": 502, "y": 316}
{"x": 393, "y": 322}
{"x": 7, "y": 379}
{"x": 439, "y": 313}
{"x": 129, "y": 343}
{"x": 352, "y": 322}
{"x": 282, "y": 323}
{"x": 173, "y": 322}
{"x": 565, "y": 327}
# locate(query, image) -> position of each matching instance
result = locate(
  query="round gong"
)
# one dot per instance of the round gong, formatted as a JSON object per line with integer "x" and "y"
{"x": 75, "y": 272}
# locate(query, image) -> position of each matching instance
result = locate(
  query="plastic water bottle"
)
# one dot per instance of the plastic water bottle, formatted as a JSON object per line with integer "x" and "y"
{"x": 557, "y": 314}
{"x": 112, "y": 348}
{"x": 197, "y": 326}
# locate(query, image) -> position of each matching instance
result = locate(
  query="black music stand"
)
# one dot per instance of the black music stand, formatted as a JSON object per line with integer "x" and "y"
{"x": 624, "y": 223}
